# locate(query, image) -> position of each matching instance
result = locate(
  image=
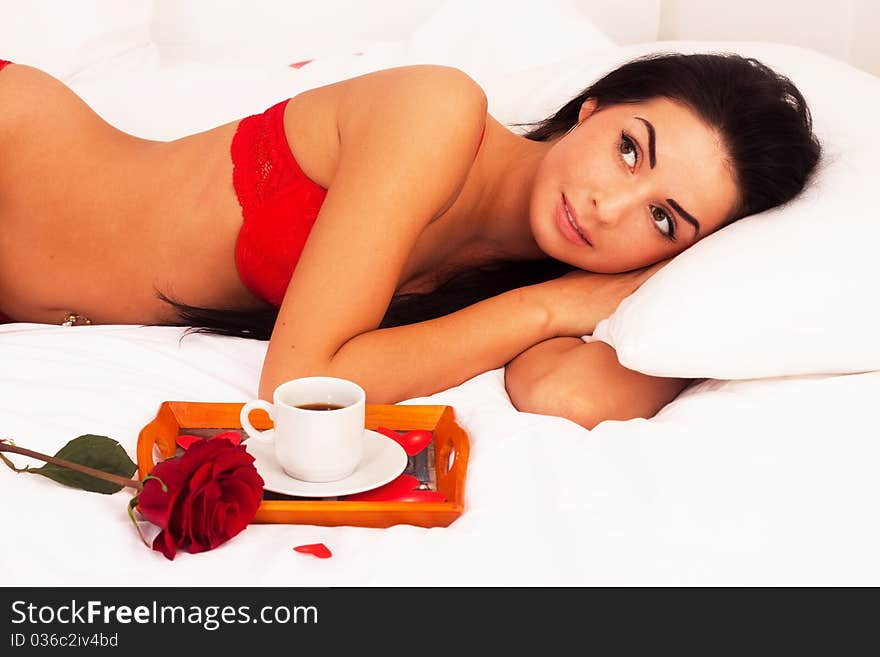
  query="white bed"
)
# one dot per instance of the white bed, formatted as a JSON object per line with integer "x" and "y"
{"x": 747, "y": 481}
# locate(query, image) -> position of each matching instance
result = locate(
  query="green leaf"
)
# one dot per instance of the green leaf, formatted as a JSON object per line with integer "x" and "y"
{"x": 99, "y": 452}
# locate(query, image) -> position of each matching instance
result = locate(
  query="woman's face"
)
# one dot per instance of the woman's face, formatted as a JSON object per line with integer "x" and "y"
{"x": 642, "y": 181}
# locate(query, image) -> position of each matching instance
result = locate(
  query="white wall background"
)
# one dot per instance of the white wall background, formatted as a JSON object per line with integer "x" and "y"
{"x": 35, "y": 29}
{"x": 844, "y": 29}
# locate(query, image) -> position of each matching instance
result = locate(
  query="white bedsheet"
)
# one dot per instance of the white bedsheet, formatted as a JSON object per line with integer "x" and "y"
{"x": 760, "y": 482}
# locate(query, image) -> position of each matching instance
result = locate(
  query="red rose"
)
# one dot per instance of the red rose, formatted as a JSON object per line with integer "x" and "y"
{"x": 211, "y": 493}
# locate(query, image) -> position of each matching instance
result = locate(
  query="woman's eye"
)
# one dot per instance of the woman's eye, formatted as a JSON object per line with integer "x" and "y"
{"x": 628, "y": 150}
{"x": 659, "y": 215}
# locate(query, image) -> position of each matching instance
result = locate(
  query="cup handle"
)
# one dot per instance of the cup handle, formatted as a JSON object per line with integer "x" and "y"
{"x": 256, "y": 434}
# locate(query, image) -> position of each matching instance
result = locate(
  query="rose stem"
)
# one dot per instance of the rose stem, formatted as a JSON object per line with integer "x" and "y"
{"x": 99, "y": 474}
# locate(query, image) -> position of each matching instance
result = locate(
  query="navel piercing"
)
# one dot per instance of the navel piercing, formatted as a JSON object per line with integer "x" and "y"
{"x": 72, "y": 319}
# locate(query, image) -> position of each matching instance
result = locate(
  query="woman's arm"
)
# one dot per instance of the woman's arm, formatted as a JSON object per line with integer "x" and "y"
{"x": 584, "y": 382}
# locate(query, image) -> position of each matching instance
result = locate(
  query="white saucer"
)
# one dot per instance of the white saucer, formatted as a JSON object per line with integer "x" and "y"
{"x": 383, "y": 460}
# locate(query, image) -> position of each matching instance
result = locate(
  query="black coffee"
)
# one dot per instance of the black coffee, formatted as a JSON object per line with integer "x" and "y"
{"x": 320, "y": 406}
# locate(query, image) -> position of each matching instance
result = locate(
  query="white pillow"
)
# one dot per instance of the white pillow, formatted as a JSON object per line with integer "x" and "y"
{"x": 65, "y": 38}
{"x": 790, "y": 291}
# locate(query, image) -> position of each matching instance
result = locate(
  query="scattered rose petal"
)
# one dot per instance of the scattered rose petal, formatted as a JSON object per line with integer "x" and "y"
{"x": 185, "y": 440}
{"x": 402, "y": 489}
{"x": 318, "y": 549}
{"x": 232, "y": 436}
{"x": 412, "y": 442}
{"x": 301, "y": 64}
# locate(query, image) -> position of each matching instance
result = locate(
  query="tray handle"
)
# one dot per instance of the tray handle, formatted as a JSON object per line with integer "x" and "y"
{"x": 451, "y": 457}
{"x": 447, "y": 459}
{"x": 162, "y": 431}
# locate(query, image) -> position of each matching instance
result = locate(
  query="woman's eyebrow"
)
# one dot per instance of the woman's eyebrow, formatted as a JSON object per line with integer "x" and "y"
{"x": 684, "y": 215}
{"x": 652, "y": 155}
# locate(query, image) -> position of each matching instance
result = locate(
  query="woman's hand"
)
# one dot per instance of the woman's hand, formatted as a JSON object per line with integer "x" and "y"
{"x": 578, "y": 301}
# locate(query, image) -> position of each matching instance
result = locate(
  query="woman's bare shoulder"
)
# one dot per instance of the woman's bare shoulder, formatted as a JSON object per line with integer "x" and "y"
{"x": 384, "y": 113}
{"x": 374, "y": 97}
{"x": 414, "y": 79}
{"x": 442, "y": 88}
{"x": 422, "y": 109}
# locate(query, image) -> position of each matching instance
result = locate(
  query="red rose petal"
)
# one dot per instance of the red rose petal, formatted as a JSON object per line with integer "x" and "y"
{"x": 394, "y": 488}
{"x": 412, "y": 442}
{"x": 402, "y": 489}
{"x": 165, "y": 544}
{"x": 318, "y": 549}
{"x": 232, "y": 436}
{"x": 300, "y": 64}
{"x": 185, "y": 440}
{"x": 420, "y": 496}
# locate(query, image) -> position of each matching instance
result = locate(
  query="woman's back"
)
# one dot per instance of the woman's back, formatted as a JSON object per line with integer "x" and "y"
{"x": 93, "y": 217}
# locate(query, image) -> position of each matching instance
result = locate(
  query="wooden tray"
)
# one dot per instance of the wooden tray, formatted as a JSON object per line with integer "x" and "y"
{"x": 449, "y": 447}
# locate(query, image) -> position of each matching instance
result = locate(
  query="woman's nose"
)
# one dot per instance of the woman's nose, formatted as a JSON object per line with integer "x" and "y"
{"x": 609, "y": 209}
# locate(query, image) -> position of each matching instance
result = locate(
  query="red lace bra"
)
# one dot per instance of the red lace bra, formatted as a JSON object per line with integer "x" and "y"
{"x": 279, "y": 204}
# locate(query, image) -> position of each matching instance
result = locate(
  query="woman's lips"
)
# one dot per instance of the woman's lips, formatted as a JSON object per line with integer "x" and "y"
{"x": 568, "y": 224}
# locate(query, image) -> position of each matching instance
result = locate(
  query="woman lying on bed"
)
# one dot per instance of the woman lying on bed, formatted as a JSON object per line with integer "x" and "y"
{"x": 440, "y": 243}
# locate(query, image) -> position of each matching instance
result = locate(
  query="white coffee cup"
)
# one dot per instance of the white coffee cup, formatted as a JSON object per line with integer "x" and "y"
{"x": 314, "y": 445}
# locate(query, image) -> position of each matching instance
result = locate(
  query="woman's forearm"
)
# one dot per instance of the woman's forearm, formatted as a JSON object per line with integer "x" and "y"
{"x": 423, "y": 358}
{"x": 402, "y": 362}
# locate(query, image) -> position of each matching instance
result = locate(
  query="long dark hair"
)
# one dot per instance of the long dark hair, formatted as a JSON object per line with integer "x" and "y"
{"x": 762, "y": 118}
